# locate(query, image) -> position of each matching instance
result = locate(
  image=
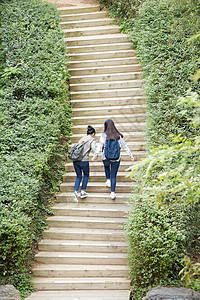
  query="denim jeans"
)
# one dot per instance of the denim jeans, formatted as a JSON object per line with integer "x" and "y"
{"x": 81, "y": 166}
{"x": 111, "y": 168}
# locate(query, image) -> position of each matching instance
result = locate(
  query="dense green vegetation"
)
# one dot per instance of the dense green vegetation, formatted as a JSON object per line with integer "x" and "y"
{"x": 164, "y": 218}
{"x": 164, "y": 221}
{"x": 34, "y": 119}
{"x": 160, "y": 31}
{"x": 35, "y": 115}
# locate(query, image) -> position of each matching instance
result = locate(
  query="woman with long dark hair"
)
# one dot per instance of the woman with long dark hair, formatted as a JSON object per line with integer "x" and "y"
{"x": 83, "y": 165}
{"x": 110, "y": 142}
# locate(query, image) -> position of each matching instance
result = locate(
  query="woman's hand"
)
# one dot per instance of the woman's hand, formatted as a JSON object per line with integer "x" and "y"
{"x": 132, "y": 159}
{"x": 94, "y": 158}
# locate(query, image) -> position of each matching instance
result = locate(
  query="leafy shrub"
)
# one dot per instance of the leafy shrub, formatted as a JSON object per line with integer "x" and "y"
{"x": 169, "y": 62}
{"x": 125, "y": 9}
{"x": 34, "y": 117}
{"x": 156, "y": 242}
{"x": 160, "y": 33}
{"x": 163, "y": 224}
{"x": 164, "y": 221}
{"x": 190, "y": 273}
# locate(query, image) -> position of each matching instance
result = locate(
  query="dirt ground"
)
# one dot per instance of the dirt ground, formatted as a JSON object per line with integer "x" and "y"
{"x": 67, "y": 3}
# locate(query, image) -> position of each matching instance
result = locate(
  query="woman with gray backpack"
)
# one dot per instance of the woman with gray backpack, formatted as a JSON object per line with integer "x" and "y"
{"x": 79, "y": 153}
{"x": 110, "y": 142}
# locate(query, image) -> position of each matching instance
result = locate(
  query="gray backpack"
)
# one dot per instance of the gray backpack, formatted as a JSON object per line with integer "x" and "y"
{"x": 76, "y": 151}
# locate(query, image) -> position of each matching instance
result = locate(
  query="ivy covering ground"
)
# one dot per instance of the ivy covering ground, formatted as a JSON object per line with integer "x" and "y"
{"x": 34, "y": 117}
{"x": 164, "y": 222}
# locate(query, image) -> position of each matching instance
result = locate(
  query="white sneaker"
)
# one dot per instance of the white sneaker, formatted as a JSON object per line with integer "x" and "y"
{"x": 75, "y": 196}
{"x": 84, "y": 194}
{"x": 108, "y": 183}
{"x": 112, "y": 195}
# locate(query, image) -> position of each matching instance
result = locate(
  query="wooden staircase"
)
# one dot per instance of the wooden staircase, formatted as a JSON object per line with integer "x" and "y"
{"x": 83, "y": 253}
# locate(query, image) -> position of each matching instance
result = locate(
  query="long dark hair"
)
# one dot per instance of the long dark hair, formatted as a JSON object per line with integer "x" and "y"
{"x": 111, "y": 131}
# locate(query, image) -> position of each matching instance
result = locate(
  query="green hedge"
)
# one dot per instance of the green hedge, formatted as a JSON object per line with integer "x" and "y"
{"x": 163, "y": 223}
{"x": 160, "y": 31}
{"x": 34, "y": 117}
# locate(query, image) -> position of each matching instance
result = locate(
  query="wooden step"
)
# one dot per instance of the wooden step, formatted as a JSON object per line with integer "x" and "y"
{"x": 87, "y": 23}
{"x": 96, "y": 176}
{"x": 91, "y": 210}
{"x": 108, "y": 110}
{"x": 138, "y": 147}
{"x": 105, "y": 70}
{"x": 93, "y": 187}
{"x": 81, "y": 283}
{"x": 78, "y": 258}
{"x": 105, "y": 77}
{"x": 90, "y": 31}
{"x": 101, "y": 55}
{"x": 97, "y": 39}
{"x": 83, "y": 16}
{"x": 126, "y": 92}
{"x": 81, "y": 295}
{"x": 100, "y": 119}
{"x": 107, "y": 62}
{"x": 119, "y": 101}
{"x": 85, "y": 222}
{"x": 138, "y": 155}
{"x": 82, "y": 246}
{"x": 124, "y": 157}
{"x": 134, "y": 140}
{"x": 129, "y": 136}
{"x": 98, "y": 166}
{"x": 128, "y": 127}
{"x": 98, "y": 86}
{"x": 78, "y": 9}
{"x": 84, "y": 234}
{"x": 101, "y": 47}
{"x": 68, "y": 197}
{"x": 63, "y": 271}
{"x": 135, "y": 146}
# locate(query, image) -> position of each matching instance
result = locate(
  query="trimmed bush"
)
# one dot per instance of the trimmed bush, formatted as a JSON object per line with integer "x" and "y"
{"x": 34, "y": 117}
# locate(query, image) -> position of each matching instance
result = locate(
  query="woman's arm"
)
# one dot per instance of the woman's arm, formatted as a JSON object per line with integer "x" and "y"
{"x": 93, "y": 146}
{"x": 126, "y": 148}
{"x": 99, "y": 146}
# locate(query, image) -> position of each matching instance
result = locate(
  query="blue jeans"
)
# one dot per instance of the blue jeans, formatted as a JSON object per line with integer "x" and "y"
{"x": 111, "y": 168}
{"x": 81, "y": 166}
